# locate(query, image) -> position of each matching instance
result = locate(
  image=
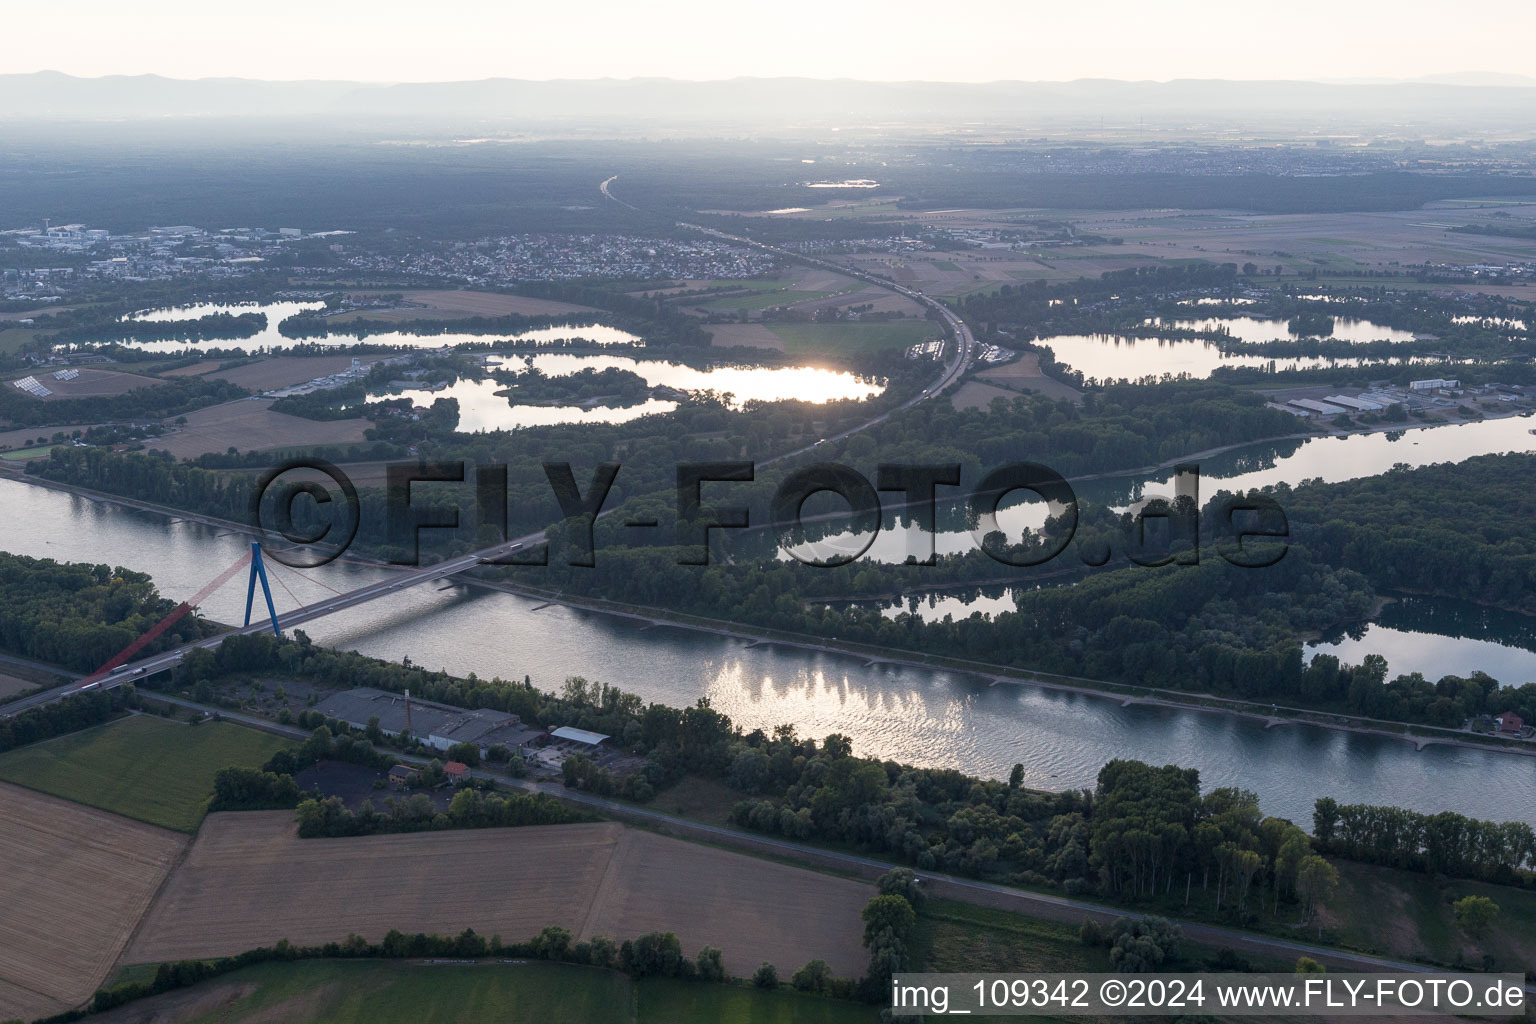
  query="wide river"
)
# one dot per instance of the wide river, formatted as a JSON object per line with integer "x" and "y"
{"x": 914, "y": 715}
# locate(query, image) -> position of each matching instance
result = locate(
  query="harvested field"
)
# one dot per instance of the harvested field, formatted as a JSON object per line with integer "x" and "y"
{"x": 250, "y": 425}
{"x": 27, "y": 436}
{"x": 754, "y": 910}
{"x": 842, "y": 339}
{"x": 751, "y": 335}
{"x": 362, "y": 474}
{"x": 1027, "y": 365}
{"x": 882, "y": 301}
{"x": 1023, "y": 374}
{"x": 10, "y": 686}
{"x": 976, "y": 395}
{"x": 284, "y": 371}
{"x": 249, "y": 880}
{"x": 33, "y": 313}
{"x": 448, "y": 304}
{"x": 75, "y": 884}
{"x": 92, "y": 383}
{"x": 196, "y": 369}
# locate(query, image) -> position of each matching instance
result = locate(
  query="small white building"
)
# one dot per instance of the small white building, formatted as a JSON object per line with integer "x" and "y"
{"x": 1433, "y": 384}
{"x": 584, "y": 737}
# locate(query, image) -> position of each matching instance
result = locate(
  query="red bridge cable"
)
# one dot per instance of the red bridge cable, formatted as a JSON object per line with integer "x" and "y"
{"x": 177, "y": 613}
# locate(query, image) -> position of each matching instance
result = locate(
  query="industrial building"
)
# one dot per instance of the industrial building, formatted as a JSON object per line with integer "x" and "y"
{"x": 1433, "y": 384}
{"x": 1312, "y": 407}
{"x": 1361, "y": 404}
{"x": 439, "y": 726}
{"x": 584, "y": 737}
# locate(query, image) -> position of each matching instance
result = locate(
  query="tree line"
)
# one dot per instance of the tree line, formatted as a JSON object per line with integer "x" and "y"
{"x": 1447, "y": 843}
{"x": 78, "y": 616}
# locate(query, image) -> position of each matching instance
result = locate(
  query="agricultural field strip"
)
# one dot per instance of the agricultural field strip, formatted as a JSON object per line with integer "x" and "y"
{"x": 248, "y": 880}
{"x": 77, "y": 882}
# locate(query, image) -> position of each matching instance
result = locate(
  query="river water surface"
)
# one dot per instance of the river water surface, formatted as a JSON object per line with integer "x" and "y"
{"x": 920, "y": 716}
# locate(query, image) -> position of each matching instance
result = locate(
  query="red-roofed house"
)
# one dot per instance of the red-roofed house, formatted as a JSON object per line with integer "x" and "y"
{"x": 457, "y": 771}
{"x": 1510, "y": 723}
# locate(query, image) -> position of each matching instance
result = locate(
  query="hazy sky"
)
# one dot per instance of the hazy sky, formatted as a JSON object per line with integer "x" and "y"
{"x": 395, "y": 40}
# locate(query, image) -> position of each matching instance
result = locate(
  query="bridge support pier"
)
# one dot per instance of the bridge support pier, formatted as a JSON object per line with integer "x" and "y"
{"x": 259, "y": 569}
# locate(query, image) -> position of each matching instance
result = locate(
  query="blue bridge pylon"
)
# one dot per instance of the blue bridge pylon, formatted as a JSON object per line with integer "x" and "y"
{"x": 259, "y": 568}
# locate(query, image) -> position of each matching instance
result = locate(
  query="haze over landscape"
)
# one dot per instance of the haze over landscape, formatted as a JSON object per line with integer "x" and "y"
{"x": 394, "y": 41}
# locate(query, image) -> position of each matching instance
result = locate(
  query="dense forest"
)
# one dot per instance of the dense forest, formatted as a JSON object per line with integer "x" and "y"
{"x": 1459, "y": 529}
{"x": 1130, "y": 838}
{"x": 78, "y": 616}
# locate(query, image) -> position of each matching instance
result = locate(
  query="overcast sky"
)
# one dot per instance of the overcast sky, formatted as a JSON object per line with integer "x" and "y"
{"x": 981, "y": 40}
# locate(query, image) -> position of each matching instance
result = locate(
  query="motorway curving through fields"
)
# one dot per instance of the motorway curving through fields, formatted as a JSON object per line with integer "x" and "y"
{"x": 954, "y": 368}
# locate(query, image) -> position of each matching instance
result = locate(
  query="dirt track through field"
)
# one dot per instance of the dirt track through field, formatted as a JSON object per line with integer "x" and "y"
{"x": 250, "y": 881}
{"x": 75, "y": 882}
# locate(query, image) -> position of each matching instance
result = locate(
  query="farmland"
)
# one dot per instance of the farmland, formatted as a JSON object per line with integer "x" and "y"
{"x": 94, "y": 383}
{"x": 976, "y": 395}
{"x": 251, "y": 425}
{"x": 767, "y": 300}
{"x": 283, "y": 371}
{"x": 851, "y": 339}
{"x": 1408, "y": 915}
{"x": 142, "y": 767}
{"x": 248, "y": 881}
{"x": 408, "y": 993}
{"x": 664, "y": 1001}
{"x": 1024, "y": 373}
{"x": 958, "y": 937}
{"x": 75, "y": 884}
{"x": 24, "y": 454}
{"x": 749, "y": 335}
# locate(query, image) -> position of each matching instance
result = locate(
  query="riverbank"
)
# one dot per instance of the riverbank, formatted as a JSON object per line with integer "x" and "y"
{"x": 1270, "y": 714}
{"x": 1420, "y": 736}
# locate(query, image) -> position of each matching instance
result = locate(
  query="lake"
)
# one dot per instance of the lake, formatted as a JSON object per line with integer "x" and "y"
{"x": 277, "y": 312}
{"x": 1330, "y": 458}
{"x": 1122, "y": 357}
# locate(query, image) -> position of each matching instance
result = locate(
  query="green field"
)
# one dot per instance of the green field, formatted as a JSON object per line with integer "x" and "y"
{"x": 142, "y": 767}
{"x": 1406, "y": 914}
{"x": 13, "y": 338}
{"x": 373, "y": 992}
{"x": 851, "y": 339}
{"x": 665, "y": 1001}
{"x": 23, "y": 454}
{"x": 961, "y": 937}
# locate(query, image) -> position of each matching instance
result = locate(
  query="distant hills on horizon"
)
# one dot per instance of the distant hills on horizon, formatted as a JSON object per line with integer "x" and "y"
{"x": 1508, "y": 100}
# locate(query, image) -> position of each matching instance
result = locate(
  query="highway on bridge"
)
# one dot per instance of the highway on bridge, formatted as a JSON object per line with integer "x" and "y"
{"x": 136, "y": 670}
{"x": 954, "y": 369}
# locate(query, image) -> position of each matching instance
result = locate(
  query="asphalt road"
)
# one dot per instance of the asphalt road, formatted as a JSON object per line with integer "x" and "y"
{"x": 144, "y": 667}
